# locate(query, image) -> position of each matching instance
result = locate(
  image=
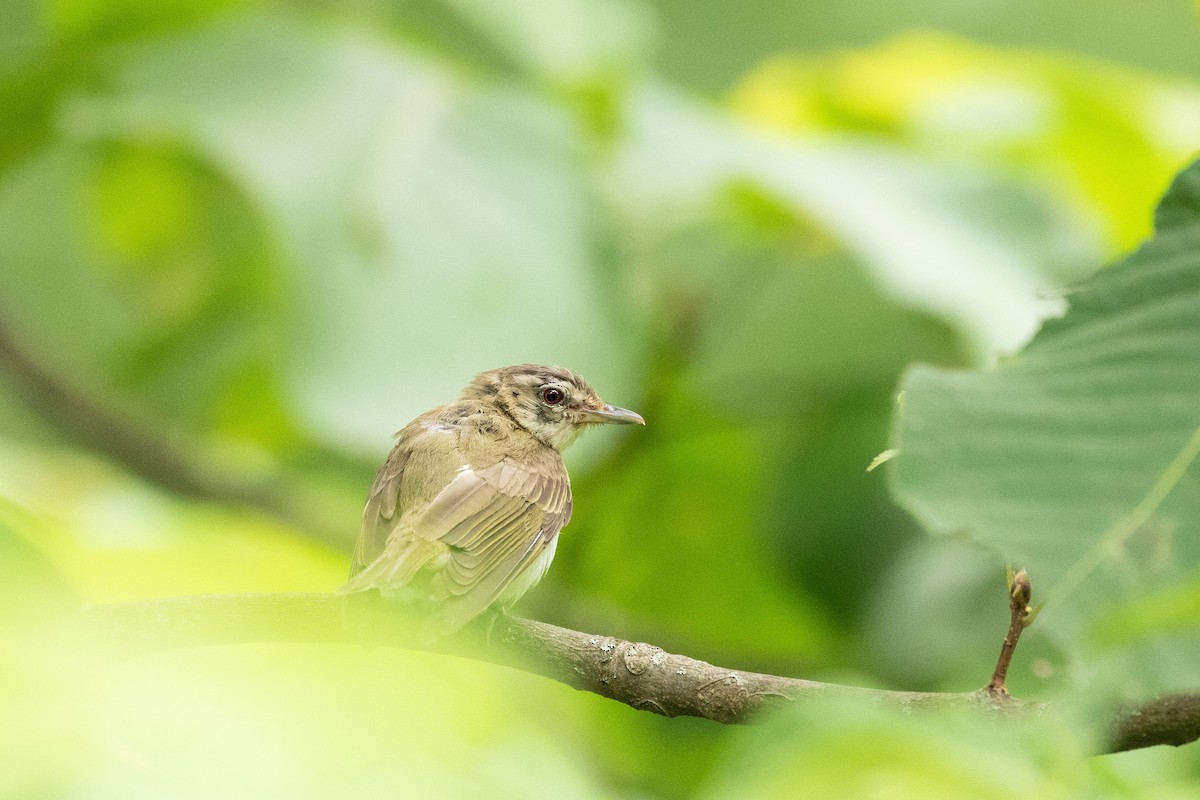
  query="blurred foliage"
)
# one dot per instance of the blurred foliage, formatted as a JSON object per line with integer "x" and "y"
{"x": 263, "y": 236}
{"x": 857, "y": 751}
{"x": 1099, "y": 137}
{"x": 696, "y": 35}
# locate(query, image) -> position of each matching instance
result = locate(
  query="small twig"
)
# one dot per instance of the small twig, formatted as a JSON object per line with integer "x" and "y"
{"x": 1020, "y": 590}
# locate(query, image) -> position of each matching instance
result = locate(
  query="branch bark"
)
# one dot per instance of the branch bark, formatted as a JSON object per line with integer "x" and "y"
{"x": 639, "y": 675}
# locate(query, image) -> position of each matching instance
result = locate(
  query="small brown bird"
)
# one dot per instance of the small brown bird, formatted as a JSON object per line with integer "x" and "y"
{"x": 465, "y": 512}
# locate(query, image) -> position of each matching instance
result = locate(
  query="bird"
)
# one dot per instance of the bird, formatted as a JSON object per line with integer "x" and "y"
{"x": 465, "y": 513}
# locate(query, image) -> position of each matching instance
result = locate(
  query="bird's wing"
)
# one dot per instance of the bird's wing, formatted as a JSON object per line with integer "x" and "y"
{"x": 488, "y": 526}
{"x": 411, "y": 477}
{"x": 512, "y": 514}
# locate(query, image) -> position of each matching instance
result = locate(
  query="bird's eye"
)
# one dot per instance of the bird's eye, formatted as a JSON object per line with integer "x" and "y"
{"x": 552, "y": 396}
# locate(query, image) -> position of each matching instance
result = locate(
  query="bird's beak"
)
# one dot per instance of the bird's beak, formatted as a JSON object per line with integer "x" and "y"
{"x": 611, "y": 414}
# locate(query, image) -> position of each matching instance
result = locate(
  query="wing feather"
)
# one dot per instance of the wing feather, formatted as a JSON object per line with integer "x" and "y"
{"x": 492, "y": 524}
{"x": 416, "y": 470}
{"x": 460, "y": 607}
{"x": 378, "y": 522}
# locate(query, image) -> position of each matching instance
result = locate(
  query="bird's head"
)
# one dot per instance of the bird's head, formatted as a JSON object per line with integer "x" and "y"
{"x": 552, "y": 403}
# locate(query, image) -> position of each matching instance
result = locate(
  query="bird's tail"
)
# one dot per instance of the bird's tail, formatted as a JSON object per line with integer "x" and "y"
{"x": 394, "y": 568}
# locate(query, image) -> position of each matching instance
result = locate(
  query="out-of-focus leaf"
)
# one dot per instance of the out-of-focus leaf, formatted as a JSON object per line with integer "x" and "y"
{"x": 712, "y": 45}
{"x": 1075, "y": 459}
{"x": 646, "y": 755}
{"x": 1104, "y": 138}
{"x": 164, "y": 288}
{"x": 273, "y": 720}
{"x": 80, "y": 20}
{"x": 34, "y": 597}
{"x": 436, "y": 728}
{"x": 1165, "y": 612}
{"x": 239, "y": 721}
{"x": 433, "y": 229}
{"x": 846, "y": 749}
{"x": 18, "y": 24}
{"x": 32, "y": 589}
{"x": 114, "y": 539}
{"x": 27, "y": 81}
{"x": 939, "y": 614}
{"x": 569, "y": 41}
{"x": 810, "y": 330}
{"x": 964, "y": 243}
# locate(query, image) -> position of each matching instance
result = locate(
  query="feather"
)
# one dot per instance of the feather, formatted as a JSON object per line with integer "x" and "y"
{"x": 492, "y": 525}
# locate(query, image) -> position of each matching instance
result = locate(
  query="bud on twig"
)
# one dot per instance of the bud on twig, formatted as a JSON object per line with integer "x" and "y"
{"x": 1021, "y": 590}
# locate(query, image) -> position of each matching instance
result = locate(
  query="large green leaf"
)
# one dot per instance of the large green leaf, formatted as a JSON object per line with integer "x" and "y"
{"x": 1075, "y": 459}
{"x": 430, "y": 228}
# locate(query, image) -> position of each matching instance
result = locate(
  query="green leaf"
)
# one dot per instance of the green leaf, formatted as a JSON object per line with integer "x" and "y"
{"x": 163, "y": 294}
{"x": 76, "y": 20}
{"x": 1104, "y": 139}
{"x": 1181, "y": 206}
{"x": 564, "y": 40}
{"x": 429, "y": 228}
{"x": 960, "y": 243}
{"x": 839, "y": 748}
{"x": 111, "y": 538}
{"x": 279, "y": 720}
{"x": 1075, "y": 459}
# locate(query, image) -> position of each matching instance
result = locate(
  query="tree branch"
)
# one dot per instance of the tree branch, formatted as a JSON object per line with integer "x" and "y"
{"x": 1172, "y": 719}
{"x": 142, "y": 449}
{"x": 640, "y": 675}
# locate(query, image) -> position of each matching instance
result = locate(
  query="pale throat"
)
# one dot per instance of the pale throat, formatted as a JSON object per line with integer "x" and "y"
{"x": 558, "y": 434}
